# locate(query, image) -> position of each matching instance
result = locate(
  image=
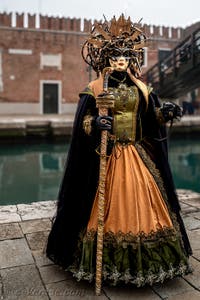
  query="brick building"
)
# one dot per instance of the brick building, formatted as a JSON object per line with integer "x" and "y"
{"x": 41, "y": 68}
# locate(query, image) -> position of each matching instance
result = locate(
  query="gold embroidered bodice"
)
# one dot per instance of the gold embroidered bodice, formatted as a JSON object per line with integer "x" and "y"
{"x": 125, "y": 113}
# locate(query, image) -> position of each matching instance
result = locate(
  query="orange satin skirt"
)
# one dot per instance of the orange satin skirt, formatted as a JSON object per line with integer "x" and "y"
{"x": 133, "y": 201}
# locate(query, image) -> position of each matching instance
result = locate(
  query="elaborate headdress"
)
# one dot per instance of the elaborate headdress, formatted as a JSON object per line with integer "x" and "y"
{"x": 109, "y": 37}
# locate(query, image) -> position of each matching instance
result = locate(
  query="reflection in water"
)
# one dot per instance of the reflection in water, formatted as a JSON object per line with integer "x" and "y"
{"x": 30, "y": 173}
{"x": 184, "y": 156}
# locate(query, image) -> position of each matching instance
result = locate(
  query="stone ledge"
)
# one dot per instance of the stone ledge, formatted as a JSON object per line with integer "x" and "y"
{"x": 61, "y": 125}
{"x": 9, "y": 213}
{"x": 36, "y": 210}
{"x": 37, "y": 125}
{"x": 189, "y": 200}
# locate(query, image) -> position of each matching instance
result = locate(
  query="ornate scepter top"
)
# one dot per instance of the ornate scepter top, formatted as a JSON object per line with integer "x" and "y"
{"x": 106, "y": 73}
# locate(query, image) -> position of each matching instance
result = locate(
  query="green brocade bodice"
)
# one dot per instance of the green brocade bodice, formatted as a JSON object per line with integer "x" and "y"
{"x": 125, "y": 113}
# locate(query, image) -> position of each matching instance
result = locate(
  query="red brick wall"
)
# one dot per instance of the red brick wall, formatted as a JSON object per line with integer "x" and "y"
{"x": 54, "y": 36}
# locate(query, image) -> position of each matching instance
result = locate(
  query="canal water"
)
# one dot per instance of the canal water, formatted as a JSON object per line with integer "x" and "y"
{"x": 32, "y": 172}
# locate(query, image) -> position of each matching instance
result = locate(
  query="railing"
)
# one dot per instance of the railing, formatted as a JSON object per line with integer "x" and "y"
{"x": 185, "y": 57}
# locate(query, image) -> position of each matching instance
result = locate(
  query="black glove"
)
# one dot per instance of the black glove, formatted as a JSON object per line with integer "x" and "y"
{"x": 171, "y": 111}
{"x": 104, "y": 123}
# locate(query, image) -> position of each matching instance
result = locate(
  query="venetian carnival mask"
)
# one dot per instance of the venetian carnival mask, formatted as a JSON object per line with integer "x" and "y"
{"x": 118, "y": 43}
{"x": 119, "y": 60}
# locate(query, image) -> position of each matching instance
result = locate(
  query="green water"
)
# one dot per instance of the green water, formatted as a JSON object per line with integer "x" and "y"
{"x": 32, "y": 172}
{"x": 184, "y": 157}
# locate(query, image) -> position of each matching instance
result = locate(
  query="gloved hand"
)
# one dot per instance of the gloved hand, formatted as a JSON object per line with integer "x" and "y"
{"x": 104, "y": 122}
{"x": 171, "y": 111}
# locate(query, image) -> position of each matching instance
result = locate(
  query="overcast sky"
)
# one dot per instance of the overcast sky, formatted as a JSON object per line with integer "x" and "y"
{"x": 159, "y": 12}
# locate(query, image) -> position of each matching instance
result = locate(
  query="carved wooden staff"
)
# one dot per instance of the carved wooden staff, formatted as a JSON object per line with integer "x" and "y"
{"x": 104, "y": 101}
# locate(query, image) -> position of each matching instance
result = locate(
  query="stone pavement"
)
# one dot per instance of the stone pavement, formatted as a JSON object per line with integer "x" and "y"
{"x": 25, "y": 272}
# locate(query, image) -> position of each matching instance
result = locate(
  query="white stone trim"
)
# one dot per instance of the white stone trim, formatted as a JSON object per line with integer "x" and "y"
{"x": 19, "y": 108}
{"x": 51, "y": 60}
{"x": 33, "y": 108}
{"x": 1, "y": 72}
{"x": 145, "y": 58}
{"x": 20, "y": 51}
{"x": 165, "y": 49}
{"x": 69, "y": 108}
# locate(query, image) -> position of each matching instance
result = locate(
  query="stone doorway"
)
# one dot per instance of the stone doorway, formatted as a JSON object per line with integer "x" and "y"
{"x": 50, "y": 98}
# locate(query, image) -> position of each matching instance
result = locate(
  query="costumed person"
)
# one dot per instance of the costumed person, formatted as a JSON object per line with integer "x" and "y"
{"x": 144, "y": 238}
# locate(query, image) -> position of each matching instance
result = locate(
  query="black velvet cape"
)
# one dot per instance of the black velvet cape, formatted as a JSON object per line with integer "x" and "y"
{"x": 80, "y": 180}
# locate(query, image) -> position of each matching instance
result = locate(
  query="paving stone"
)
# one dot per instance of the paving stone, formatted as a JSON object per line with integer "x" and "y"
{"x": 73, "y": 290}
{"x": 196, "y": 254}
{"x": 184, "y": 207}
{"x": 191, "y": 295}
{"x": 194, "y": 237}
{"x": 35, "y": 225}
{"x": 52, "y": 274}
{"x": 1, "y": 288}
{"x": 194, "y": 278}
{"x": 9, "y": 213}
{"x": 196, "y": 215}
{"x": 40, "y": 258}
{"x": 125, "y": 292}
{"x": 37, "y": 210}
{"x": 23, "y": 283}
{"x": 191, "y": 223}
{"x": 172, "y": 287}
{"x": 188, "y": 209}
{"x": 193, "y": 201}
{"x": 10, "y": 231}
{"x": 14, "y": 253}
{"x": 37, "y": 240}
{"x": 187, "y": 195}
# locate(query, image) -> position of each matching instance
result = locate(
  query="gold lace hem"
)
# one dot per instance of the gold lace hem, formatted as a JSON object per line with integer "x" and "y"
{"x": 115, "y": 277}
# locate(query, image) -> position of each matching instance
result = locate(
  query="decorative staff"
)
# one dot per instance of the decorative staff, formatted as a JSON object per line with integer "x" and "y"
{"x": 104, "y": 101}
